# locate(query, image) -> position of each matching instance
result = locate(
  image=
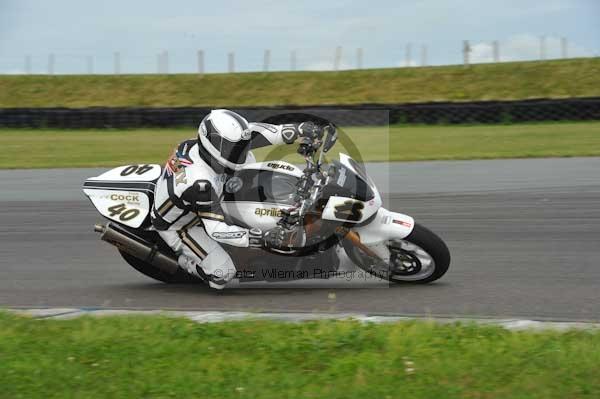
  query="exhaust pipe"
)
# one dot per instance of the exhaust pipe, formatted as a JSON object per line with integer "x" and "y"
{"x": 127, "y": 241}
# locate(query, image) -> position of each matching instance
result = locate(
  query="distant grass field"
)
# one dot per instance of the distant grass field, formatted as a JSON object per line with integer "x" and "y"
{"x": 502, "y": 81}
{"x": 159, "y": 357}
{"x": 86, "y": 148}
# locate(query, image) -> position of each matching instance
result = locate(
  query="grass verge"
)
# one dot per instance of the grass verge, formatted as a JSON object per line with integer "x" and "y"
{"x": 87, "y": 148}
{"x": 502, "y": 81}
{"x": 158, "y": 357}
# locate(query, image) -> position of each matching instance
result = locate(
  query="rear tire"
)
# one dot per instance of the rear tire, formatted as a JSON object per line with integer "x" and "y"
{"x": 423, "y": 238}
{"x": 180, "y": 277}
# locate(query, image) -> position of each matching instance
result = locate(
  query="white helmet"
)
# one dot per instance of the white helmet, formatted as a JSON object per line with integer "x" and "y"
{"x": 225, "y": 135}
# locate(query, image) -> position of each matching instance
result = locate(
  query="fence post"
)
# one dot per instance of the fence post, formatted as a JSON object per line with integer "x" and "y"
{"x": 407, "y": 54}
{"x": 117, "y": 63}
{"x": 162, "y": 62}
{"x": 293, "y": 60}
{"x": 564, "y": 48}
{"x": 90, "y": 64}
{"x": 266, "y": 60}
{"x": 423, "y": 55}
{"x": 200, "y": 56}
{"x": 359, "y": 58}
{"x": 496, "y": 50}
{"x": 466, "y": 51}
{"x": 337, "y": 58}
{"x": 51, "y": 64}
{"x": 231, "y": 62}
{"x": 28, "y": 64}
{"x": 542, "y": 47}
{"x": 165, "y": 62}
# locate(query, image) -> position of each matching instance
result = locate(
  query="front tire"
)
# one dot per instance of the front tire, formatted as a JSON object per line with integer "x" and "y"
{"x": 419, "y": 258}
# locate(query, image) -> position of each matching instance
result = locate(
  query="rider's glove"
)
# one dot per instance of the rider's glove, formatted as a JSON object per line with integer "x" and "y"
{"x": 310, "y": 130}
{"x": 279, "y": 237}
{"x": 310, "y": 138}
{"x": 275, "y": 237}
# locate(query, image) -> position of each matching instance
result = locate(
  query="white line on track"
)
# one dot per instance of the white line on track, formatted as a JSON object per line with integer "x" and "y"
{"x": 216, "y": 317}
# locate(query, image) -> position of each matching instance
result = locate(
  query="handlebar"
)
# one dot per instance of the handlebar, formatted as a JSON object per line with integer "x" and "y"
{"x": 309, "y": 145}
{"x": 313, "y": 178}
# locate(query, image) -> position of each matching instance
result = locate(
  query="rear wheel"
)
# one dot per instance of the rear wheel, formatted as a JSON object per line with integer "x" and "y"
{"x": 419, "y": 258}
{"x": 180, "y": 277}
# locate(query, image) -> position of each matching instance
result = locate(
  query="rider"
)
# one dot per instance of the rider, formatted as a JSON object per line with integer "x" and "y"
{"x": 187, "y": 212}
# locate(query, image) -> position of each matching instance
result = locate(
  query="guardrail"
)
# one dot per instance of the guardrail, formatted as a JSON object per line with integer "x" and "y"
{"x": 345, "y": 115}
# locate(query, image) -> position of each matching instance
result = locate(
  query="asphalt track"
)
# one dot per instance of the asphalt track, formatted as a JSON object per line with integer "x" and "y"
{"x": 524, "y": 237}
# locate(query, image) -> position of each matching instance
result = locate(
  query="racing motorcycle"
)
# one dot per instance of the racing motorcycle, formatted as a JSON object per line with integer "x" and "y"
{"x": 327, "y": 209}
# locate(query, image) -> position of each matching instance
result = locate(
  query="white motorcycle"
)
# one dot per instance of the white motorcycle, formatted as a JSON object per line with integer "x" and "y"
{"x": 327, "y": 208}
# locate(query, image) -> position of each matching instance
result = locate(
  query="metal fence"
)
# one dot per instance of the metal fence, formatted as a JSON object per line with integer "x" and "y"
{"x": 358, "y": 115}
{"x": 338, "y": 58}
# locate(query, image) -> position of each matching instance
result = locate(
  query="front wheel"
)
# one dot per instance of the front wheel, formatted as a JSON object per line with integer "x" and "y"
{"x": 421, "y": 257}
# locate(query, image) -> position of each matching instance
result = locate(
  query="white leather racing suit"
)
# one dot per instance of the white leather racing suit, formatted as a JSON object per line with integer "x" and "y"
{"x": 187, "y": 209}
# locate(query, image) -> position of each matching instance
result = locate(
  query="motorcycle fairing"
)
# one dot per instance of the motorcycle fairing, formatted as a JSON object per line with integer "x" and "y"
{"x": 124, "y": 194}
{"x": 365, "y": 200}
{"x": 263, "y": 215}
{"x": 264, "y": 182}
{"x": 126, "y": 207}
{"x": 386, "y": 225}
{"x": 262, "y": 190}
{"x": 349, "y": 210}
{"x": 275, "y": 166}
{"x": 133, "y": 173}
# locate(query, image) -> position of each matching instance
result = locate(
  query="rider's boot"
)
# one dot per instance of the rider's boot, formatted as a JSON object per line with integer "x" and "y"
{"x": 216, "y": 281}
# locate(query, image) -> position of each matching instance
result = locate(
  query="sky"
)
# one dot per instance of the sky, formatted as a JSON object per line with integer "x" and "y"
{"x": 84, "y": 35}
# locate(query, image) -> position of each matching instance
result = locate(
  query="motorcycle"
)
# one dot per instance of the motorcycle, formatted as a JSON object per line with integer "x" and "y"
{"x": 327, "y": 208}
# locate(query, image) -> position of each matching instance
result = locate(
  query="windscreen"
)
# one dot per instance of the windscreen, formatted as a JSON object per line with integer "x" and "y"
{"x": 348, "y": 183}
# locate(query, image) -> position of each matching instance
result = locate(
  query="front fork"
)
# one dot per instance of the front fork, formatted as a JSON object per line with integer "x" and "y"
{"x": 386, "y": 226}
{"x": 354, "y": 238}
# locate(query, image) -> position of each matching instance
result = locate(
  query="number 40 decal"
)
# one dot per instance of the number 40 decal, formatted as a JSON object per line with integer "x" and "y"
{"x": 124, "y": 213}
{"x": 137, "y": 169}
{"x": 349, "y": 210}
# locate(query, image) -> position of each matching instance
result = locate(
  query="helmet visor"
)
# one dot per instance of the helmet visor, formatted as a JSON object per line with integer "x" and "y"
{"x": 234, "y": 152}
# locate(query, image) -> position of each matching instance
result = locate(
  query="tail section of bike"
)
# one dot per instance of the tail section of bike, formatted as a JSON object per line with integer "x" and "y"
{"x": 124, "y": 194}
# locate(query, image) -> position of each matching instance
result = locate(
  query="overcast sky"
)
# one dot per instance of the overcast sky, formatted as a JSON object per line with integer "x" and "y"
{"x": 73, "y": 29}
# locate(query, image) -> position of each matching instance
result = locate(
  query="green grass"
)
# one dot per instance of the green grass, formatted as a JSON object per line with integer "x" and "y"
{"x": 86, "y": 148}
{"x": 146, "y": 357}
{"x": 503, "y": 81}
